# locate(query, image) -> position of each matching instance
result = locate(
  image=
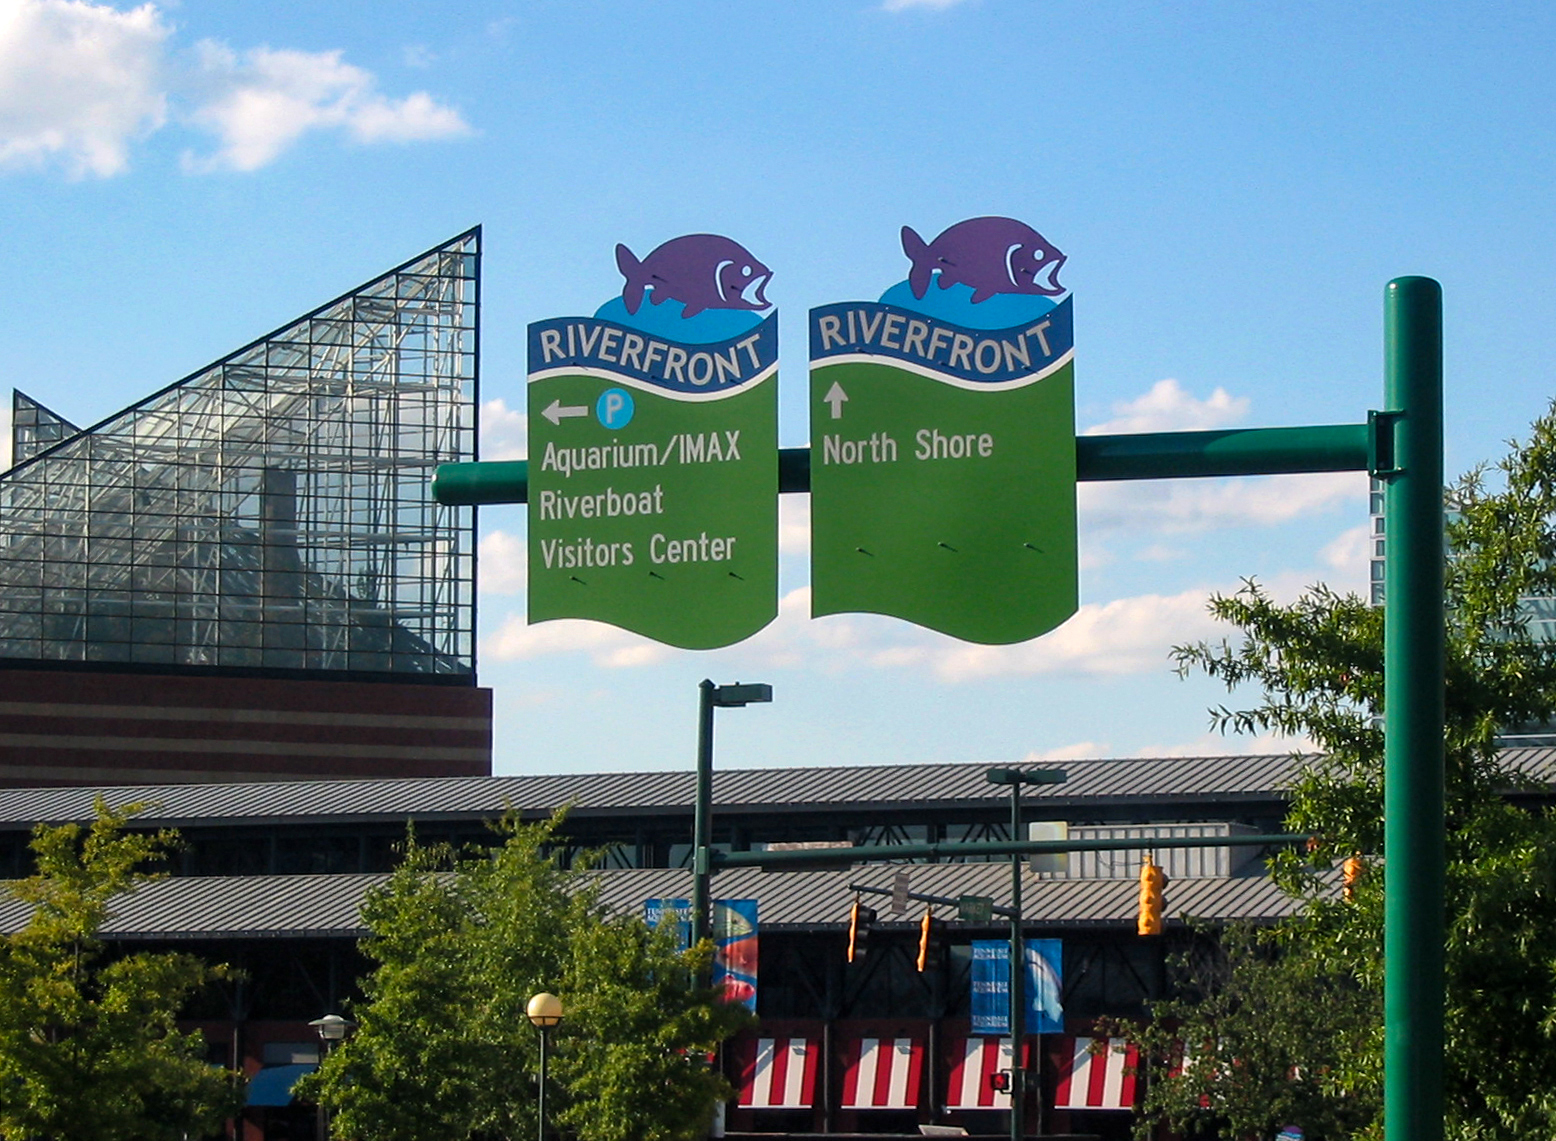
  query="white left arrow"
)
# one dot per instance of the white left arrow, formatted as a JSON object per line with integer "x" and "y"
{"x": 556, "y": 411}
{"x": 836, "y": 396}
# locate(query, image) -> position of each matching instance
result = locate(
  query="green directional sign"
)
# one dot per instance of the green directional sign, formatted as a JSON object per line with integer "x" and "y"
{"x": 943, "y": 441}
{"x": 653, "y": 457}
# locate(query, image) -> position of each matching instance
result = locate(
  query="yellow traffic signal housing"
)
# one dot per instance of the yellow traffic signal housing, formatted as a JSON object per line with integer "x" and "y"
{"x": 859, "y": 920}
{"x": 929, "y": 940}
{"x": 1152, "y": 882}
{"x": 1351, "y": 871}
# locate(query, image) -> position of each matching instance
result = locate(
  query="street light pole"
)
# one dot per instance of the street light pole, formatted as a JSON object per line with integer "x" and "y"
{"x": 1015, "y": 778}
{"x": 545, "y": 1011}
{"x": 709, "y": 698}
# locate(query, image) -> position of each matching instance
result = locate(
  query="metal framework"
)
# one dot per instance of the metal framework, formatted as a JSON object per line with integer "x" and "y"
{"x": 270, "y": 512}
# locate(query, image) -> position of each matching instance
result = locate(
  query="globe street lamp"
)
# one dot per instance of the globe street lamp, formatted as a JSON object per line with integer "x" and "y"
{"x": 545, "y": 1011}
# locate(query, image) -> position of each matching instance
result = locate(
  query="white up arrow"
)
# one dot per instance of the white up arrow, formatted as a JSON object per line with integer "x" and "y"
{"x": 556, "y": 411}
{"x": 835, "y": 397}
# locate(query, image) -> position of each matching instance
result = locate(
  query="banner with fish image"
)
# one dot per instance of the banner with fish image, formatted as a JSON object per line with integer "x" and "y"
{"x": 735, "y": 933}
{"x": 990, "y": 980}
{"x": 943, "y": 440}
{"x": 653, "y": 451}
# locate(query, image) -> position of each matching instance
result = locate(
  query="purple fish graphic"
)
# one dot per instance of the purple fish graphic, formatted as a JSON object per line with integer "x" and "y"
{"x": 702, "y": 271}
{"x": 993, "y": 255}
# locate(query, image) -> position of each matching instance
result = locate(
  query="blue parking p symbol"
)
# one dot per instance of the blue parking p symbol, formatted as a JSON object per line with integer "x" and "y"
{"x": 614, "y": 408}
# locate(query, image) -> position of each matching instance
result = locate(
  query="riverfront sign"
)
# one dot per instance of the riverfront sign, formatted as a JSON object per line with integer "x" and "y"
{"x": 942, "y": 470}
{"x": 653, "y": 444}
{"x": 943, "y": 440}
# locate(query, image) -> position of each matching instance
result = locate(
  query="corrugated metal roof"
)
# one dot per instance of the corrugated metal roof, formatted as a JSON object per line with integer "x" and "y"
{"x": 839, "y": 787}
{"x": 1186, "y": 780}
{"x": 316, "y": 906}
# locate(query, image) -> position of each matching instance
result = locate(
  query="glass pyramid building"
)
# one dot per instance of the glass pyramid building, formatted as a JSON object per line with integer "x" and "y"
{"x": 271, "y": 513}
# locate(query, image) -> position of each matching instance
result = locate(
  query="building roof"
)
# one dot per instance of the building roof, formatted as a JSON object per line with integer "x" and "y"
{"x": 320, "y": 906}
{"x": 1197, "y": 783}
{"x": 1190, "y": 780}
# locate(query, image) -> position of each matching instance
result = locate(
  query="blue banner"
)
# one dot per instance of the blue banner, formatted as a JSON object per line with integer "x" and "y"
{"x": 735, "y": 950}
{"x": 991, "y": 986}
{"x": 860, "y": 330}
{"x": 678, "y": 911}
{"x": 588, "y": 346}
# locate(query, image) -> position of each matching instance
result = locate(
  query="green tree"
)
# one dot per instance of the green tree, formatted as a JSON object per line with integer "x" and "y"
{"x": 89, "y": 1046}
{"x": 1288, "y": 1024}
{"x": 444, "y": 1051}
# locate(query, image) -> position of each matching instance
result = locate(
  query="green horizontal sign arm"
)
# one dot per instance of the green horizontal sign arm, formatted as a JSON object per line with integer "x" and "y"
{"x": 1227, "y": 451}
{"x": 868, "y": 853}
{"x": 1147, "y": 455}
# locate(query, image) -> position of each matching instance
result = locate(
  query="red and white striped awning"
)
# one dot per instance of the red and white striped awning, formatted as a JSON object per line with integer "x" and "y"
{"x": 1097, "y": 1081}
{"x": 778, "y": 1073}
{"x": 979, "y": 1058}
{"x": 882, "y": 1073}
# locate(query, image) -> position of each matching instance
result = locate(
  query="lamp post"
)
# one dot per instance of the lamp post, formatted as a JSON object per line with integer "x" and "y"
{"x": 711, "y": 697}
{"x": 1015, "y": 778}
{"x": 332, "y": 1029}
{"x": 545, "y": 1011}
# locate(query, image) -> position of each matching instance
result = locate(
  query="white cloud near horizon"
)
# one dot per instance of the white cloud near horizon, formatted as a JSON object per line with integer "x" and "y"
{"x": 82, "y": 83}
{"x": 1119, "y": 637}
{"x": 1208, "y": 744}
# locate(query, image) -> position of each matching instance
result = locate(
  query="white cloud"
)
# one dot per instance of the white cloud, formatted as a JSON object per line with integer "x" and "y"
{"x": 79, "y": 83}
{"x": 1181, "y": 506}
{"x": 503, "y": 563}
{"x": 263, "y": 101}
{"x": 1168, "y": 408}
{"x": 1124, "y": 636}
{"x": 794, "y": 525}
{"x": 607, "y": 646}
{"x": 504, "y": 432}
{"x": 1349, "y": 555}
{"x": 904, "y": 5}
{"x": 1205, "y": 745}
{"x": 1231, "y": 745}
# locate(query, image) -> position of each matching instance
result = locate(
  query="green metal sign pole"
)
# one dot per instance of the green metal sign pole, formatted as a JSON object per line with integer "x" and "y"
{"x": 1413, "y": 809}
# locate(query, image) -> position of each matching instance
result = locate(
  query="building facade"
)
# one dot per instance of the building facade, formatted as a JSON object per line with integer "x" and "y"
{"x": 272, "y": 875}
{"x": 208, "y": 584}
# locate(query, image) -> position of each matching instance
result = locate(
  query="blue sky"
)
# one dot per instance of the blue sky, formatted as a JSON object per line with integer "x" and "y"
{"x": 1233, "y": 184}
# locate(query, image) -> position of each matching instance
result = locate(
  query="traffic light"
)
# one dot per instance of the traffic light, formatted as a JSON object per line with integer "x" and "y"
{"x": 931, "y": 936}
{"x": 859, "y": 920}
{"x": 1351, "y": 871}
{"x": 1152, "y": 881}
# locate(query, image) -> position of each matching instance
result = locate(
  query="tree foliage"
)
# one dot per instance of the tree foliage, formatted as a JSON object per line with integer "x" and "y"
{"x": 89, "y": 1048}
{"x": 444, "y": 1051}
{"x": 1286, "y": 1026}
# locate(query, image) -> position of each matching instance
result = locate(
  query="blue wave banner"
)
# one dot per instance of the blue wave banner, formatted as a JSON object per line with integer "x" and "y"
{"x": 590, "y": 346}
{"x": 872, "y": 330}
{"x": 991, "y": 986}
